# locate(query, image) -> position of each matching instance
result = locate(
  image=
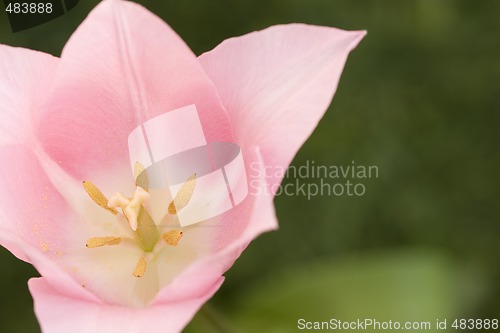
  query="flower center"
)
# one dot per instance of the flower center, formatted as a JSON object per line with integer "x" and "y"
{"x": 147, "y": 233}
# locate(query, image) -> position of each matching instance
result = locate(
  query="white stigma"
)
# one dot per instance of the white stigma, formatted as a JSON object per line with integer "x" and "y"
{"x": 130, "y": 207}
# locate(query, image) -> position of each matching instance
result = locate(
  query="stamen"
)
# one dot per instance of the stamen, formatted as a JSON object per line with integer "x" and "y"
{"x": 102, "y": 241}
{"x": 141, "y": 176}
{"x": 172, "y": 237}
{"x": 183, "y": 196}
{"x": 140, "y": 268}
{"x": 97, "y": 196}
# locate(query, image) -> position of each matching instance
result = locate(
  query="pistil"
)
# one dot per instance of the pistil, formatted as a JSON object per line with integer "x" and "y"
{"x": 130, "y": 207}
{"x": 147, "y": 231}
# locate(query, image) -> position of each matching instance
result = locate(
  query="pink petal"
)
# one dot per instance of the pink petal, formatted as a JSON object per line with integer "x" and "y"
{"x": 254, "y": 216}
{"x": 60, "y": 313}
{"x": 31, "y": 207}
{"x": 25, "y": 78}
{"x": 229, "y": 235}
{"x": 35, "y": 220}
{"x": 120, "y": 68}
{"x": 277, "y": 83}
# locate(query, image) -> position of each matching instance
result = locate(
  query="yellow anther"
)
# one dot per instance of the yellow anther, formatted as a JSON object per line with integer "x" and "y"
{"x": 96, "y": 195}
{"x": 183, "y": 196}
{"x": 172, "y": 237}
{"x": 141, "y": 176}
{"x": 102, "y": 241}
{"x": 140, "y": 268}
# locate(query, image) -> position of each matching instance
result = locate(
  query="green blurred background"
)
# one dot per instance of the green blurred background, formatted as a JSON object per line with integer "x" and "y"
{"x": 419, "y": 98}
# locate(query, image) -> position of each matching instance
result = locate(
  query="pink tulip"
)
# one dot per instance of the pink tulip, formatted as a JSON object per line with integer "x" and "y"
{"x": 66, "y": 120}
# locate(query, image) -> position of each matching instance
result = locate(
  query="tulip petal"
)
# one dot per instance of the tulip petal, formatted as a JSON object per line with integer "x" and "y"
{"x": 25, "y": 78}
{"x": 228, "y": 235}
{"x": 121, "y": 67}
{"x": 36, "y": 223}
{"x": 277, "y": 83}
{"x": 80, "y": 316}
{"x": 30, "y": 206}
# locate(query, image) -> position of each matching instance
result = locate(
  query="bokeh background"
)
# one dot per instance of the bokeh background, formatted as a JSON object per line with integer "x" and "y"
{"x": 419, "y": 98}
